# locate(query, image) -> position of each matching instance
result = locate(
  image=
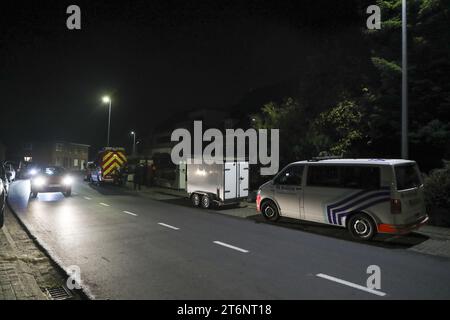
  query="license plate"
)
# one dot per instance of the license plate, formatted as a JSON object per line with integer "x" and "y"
{"x": 54, "y": 185}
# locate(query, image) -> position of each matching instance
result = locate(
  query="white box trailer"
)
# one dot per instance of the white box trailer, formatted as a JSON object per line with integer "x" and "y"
{"x": 222, "y": 183}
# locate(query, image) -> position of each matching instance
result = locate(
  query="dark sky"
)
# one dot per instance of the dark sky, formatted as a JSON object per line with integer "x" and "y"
{"x": 155, "y": 58}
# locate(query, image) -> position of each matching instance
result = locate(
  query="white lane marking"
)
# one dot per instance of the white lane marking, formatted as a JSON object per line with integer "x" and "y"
{"x": 168, "y": 226}
{"x": 130, "y": 213}
{"x": 351, "y": 284}
{"x": 230, "y": 246}
{"x": 104, "y": 204}
{"x": 87, "y": 198}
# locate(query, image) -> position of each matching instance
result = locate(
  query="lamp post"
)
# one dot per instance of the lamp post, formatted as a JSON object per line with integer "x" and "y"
{"x": 134, "y": 141}
{"x": 107, "y": 99}
{"x": 404, "y": 84}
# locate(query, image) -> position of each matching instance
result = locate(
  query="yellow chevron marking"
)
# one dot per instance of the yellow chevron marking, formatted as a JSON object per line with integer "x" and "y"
{"x": 122, "y": 156}
{"x": 113, "y": 166}
{"x": 112, "y": 159}
{"x": 107, "y": 155}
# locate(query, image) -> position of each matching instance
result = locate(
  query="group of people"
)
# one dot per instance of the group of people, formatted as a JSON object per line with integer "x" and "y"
{"x": 143, "y": 175}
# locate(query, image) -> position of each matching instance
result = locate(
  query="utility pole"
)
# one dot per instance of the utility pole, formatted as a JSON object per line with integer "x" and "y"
{"x": 404, "y": 83}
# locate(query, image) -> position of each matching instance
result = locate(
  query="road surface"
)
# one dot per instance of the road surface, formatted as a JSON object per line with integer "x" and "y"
{"x": 131, "y": 247}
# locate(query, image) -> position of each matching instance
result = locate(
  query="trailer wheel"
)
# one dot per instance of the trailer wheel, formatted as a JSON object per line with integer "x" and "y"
{"x": 195, "y": 198}
{"x": 206, "y": 202}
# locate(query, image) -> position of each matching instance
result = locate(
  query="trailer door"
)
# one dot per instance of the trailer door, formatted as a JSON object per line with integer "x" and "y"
{"x": 243, "y": 179}
{"x": 230, "y": 184}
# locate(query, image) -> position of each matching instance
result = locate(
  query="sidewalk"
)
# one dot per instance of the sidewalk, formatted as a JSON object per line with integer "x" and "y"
{"x": 25, "y": 271}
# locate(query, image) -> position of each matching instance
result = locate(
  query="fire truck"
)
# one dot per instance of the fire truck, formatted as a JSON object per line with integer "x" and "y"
{"x": 110, "y": 165}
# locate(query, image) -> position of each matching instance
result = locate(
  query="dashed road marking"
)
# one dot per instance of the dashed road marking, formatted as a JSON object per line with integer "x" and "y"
{"x": 87, "y": 198}
{"x": 130, "y": 213}
{"x": 104, "y": 204}
{"x": 168, "y": 226}
{"x": 230, "y": 246}
{"x": 351, "y": 284}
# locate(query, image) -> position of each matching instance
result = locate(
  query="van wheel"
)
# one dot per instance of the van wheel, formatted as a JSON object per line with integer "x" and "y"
{"x": 206, "y": 202}
{"x": 195, "y": 198}
{"x": 361, "y": 227}
{"x": 270, "y": 211}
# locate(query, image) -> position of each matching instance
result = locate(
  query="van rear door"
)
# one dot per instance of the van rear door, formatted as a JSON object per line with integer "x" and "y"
{"x": 408, "y": 194}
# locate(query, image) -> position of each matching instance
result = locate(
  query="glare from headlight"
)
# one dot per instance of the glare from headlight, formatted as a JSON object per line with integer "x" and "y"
{"x": 68, "y": 180}
{"x": 33, "y": 171}
{"x": 39, "y": 181}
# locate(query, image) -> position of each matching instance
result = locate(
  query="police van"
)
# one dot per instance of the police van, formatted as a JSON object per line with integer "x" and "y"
{"x": 366, "y": 196}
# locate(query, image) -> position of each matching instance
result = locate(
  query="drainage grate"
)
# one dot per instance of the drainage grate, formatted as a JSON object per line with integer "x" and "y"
{"x": 59, "y": 293}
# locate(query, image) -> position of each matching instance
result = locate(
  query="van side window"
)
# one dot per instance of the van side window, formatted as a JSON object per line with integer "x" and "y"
{"x": 359, "y": 177}
{"x": 290, "y": 176}
{"x": 323, "y": 176}
{"x": 350, "y": 177}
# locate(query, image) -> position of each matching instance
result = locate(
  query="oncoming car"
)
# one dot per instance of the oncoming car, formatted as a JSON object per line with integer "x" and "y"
{"x": 366, "y": 196}
{"x": 51, "y": 179}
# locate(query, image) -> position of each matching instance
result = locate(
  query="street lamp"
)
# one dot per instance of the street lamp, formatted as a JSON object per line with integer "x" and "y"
{"x": 404, "y": 84}
{"x": 134, "y": 141}
{"x": 107, "y": 99}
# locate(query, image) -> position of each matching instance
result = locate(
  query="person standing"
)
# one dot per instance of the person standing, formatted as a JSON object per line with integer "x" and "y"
{"x": 138, "y": 175}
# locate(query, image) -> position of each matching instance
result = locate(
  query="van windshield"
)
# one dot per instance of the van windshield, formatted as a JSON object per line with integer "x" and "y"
{"x": 407, "y": 176}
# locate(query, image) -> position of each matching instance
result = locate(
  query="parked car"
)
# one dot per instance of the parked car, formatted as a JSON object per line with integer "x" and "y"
{"x": 89, "y": 169}
{"x": 363, "y": 195}
{"x": 51, "y": 179}
{"x": 5, "y": 179}
{"x": 10, "y": 171}
{"x": 2, "y": 203}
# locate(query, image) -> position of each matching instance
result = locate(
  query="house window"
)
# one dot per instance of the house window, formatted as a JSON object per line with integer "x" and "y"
{"x": 59, "y": 147}
{"x": 75, "y": 162}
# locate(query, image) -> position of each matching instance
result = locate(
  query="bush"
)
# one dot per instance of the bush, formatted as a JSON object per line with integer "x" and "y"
{"x": 437, "y": 195}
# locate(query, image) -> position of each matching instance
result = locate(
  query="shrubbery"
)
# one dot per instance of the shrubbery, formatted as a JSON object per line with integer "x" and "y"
{"x": 437, "y": 195}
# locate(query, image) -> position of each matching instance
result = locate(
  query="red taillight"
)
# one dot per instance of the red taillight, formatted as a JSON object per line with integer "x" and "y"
{"x": 396, "y": 206}
{"x": 258, "y": 201}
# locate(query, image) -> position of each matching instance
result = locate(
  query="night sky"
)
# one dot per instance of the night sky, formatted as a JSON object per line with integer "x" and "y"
{"x": 155, "y": 58}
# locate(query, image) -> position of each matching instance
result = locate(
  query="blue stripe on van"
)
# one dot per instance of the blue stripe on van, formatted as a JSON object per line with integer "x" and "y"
{"x": 370, "y": 204}
{"x": 336, "y": 212}
{"x": 330, "y": 208}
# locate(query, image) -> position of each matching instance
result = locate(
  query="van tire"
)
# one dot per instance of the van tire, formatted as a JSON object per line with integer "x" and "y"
{"x": 195, "y": 199}
{"x": 206, "y": 202}
{"x": 270, "y": 211}
{"x": 361, "y": 227}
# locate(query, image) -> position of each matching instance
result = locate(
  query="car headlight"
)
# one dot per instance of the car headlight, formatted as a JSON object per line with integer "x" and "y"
{"x": 68, "y": 180}
{"x": 33, "y": 172}
{"x": 39, "y": 181}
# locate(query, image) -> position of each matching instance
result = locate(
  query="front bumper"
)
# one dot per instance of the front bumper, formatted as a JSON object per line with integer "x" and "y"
{"x": 43, "y": 189}
{"x": 402, "y": 229}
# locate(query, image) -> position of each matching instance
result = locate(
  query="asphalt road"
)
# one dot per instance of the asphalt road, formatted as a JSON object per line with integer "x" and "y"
{"x": 132, "y": 247}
